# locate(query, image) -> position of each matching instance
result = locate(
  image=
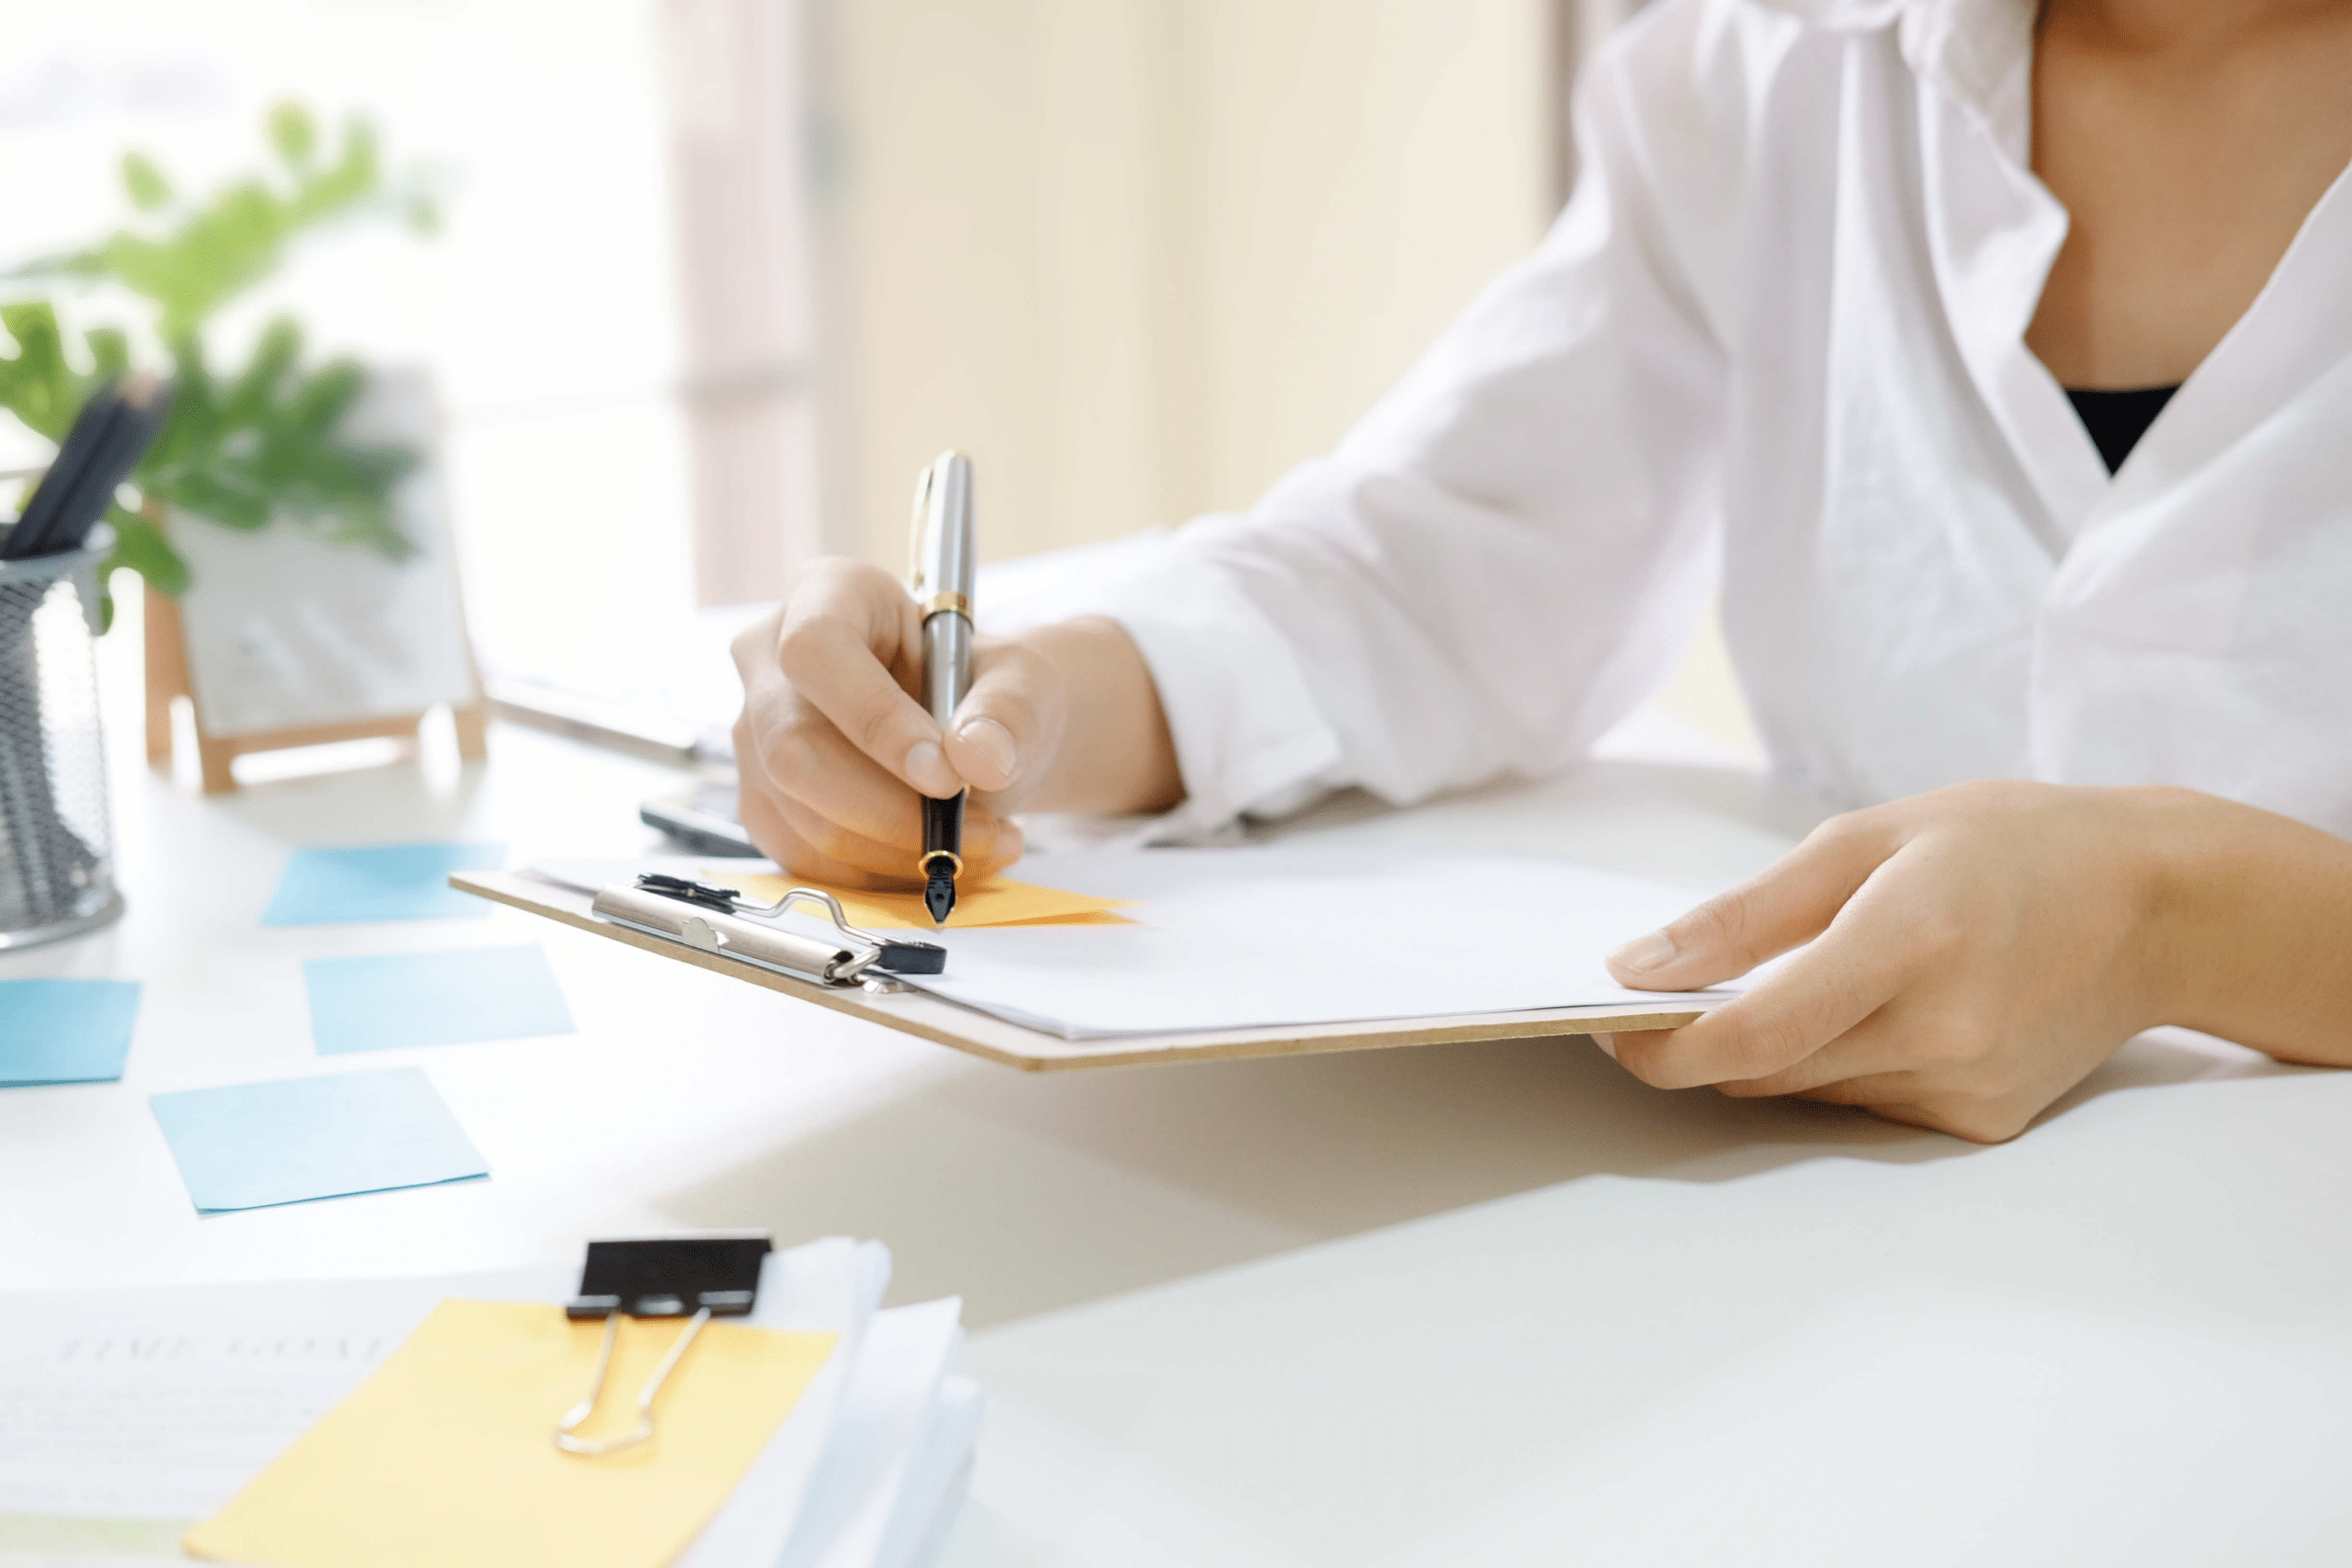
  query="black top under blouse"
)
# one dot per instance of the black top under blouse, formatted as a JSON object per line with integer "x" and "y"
{"x": 2118, "y": 419}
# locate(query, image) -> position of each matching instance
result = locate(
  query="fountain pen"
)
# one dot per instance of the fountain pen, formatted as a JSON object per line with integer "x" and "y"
{"x": 945, "y": 557}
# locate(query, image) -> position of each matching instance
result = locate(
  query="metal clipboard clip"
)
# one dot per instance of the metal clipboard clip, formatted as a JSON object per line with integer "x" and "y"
{"x": 716, "y": 920}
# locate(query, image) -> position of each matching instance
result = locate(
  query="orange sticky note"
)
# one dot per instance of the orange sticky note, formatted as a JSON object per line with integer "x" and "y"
{"x": 996, "y": 902}
{"x": 444, "y": 1456}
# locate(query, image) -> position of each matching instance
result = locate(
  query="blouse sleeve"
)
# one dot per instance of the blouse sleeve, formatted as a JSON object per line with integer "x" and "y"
{"x": 1504, "y": 557}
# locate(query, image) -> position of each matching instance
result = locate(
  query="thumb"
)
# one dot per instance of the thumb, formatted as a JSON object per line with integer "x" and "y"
{"x": 1790, "y": 903}
{"x": 1010, "y": 724}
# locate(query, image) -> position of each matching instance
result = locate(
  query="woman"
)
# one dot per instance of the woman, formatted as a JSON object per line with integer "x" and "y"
{"x": 1868, "y": 299}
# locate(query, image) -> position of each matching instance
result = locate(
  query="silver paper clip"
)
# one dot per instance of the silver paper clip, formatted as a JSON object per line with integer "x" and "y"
{"x": 657, "y": 1277}
{"x": 564, "y": 1432}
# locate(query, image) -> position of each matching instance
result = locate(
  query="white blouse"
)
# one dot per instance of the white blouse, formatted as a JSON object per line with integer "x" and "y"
{"x": 1777, "y": 342}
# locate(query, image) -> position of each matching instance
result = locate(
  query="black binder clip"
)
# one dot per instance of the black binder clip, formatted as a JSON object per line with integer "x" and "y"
{"x": 707, "y": 1276}
{"x": 898, "y": 955}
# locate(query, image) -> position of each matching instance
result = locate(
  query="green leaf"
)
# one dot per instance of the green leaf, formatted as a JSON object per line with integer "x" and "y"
{"x": 144, "y": 183}
{"x": 293, "y": 132}
{"x": 355, "y": 175}
{"x": 36, "y": 384}
{"x": 275, "y": 353}
{"x": 139, "y": 547}
{"x": 193, "y": 426}
{"x": 240, "y": 235}
{"x": 109, "y": 351}
{"x": 224, "y": 496}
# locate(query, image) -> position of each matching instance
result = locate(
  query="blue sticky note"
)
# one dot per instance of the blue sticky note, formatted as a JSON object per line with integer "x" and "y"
{"x": 378, "y": 882}
{"x": 250, "y": 1146}
{"x": 65, "y": 1030}
{"x": 383, "y": 1001}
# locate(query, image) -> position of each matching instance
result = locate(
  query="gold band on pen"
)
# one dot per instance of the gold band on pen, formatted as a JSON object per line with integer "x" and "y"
{"x": 956, "y": 866}
{"x": 946, "y": 600}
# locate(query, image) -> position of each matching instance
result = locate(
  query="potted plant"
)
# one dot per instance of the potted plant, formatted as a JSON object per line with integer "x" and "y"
{"x": 243, "y": 448}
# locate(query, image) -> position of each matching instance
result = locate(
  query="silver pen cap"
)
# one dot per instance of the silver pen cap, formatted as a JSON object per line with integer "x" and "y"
{"x": 942, "y": 549}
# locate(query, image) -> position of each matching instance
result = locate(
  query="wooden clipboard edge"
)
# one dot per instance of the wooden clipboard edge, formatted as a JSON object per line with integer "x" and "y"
{"x": 944, "y": 1024}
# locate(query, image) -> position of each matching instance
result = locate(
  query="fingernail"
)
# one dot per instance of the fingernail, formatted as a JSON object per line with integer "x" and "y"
{"x": 992, "y": 740}
{"x": 927, "y": 770}
{"x": 1644, "y": 953}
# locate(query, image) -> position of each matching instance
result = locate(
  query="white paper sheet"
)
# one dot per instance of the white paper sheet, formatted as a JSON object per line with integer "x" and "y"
{"x": 894, "y": 1386}
{"x": 937, "y": 1479}
{"x": 832, "y": 1284}
{"x": 1265, "y": 936}
{"x": 161, "y": 1403}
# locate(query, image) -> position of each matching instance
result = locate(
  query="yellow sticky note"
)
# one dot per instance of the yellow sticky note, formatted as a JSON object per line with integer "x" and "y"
{"x": 996, "y": 902}
{"x": 444, "y": 1456}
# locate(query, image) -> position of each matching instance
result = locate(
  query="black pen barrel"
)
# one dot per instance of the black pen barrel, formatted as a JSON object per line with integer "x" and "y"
{"x": 943, "y": 854}
{"x": 45, "y": 508}
{"x": 943, "y": 827}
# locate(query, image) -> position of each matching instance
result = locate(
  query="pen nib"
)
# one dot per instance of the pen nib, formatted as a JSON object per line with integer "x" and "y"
{"x": 939, "y": 897}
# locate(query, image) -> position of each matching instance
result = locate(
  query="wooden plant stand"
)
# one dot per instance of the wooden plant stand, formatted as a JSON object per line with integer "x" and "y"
{"x": 168, "y": 677}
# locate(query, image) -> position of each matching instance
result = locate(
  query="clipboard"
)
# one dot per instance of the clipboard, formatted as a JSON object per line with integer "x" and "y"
{"x": 1031, "y": 1050}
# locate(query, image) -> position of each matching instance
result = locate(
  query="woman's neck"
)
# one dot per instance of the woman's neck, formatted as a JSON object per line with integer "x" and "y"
{"x": 2163, "y": 26}
{"x": 2188, "y": 140}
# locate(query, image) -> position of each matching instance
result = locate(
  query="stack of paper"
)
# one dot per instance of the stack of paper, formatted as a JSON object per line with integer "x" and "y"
{"x": 400, "y": 1421}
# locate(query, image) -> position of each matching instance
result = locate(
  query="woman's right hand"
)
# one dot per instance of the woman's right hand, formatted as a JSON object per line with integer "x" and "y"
{"x": 834, "y": 752}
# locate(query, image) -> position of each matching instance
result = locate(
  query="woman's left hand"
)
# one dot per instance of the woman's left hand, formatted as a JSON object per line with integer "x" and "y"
{"x": 1975, "y": 951}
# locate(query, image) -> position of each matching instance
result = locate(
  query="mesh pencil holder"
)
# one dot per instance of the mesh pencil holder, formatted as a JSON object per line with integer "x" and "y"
{"x": 56, "y": 835}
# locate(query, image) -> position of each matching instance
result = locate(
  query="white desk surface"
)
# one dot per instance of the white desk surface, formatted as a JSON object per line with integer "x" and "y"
{"x": 1483, "y": 1304}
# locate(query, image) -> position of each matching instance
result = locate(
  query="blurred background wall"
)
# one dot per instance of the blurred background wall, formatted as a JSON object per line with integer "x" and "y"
{"x": 716, "y": 276}
{"x": 1138, "y": 257}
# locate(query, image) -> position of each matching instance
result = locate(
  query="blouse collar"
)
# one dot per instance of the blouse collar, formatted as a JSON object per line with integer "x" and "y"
{"x": 1977, "y": 53}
